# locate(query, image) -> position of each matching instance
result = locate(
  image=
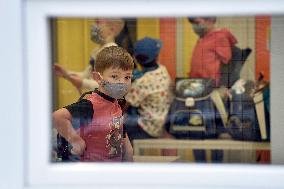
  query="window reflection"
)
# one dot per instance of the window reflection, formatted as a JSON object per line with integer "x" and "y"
{"x": 200, "y": 86}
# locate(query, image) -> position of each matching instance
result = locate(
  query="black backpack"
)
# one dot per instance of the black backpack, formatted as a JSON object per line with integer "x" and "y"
{"x": 230, "y": 72}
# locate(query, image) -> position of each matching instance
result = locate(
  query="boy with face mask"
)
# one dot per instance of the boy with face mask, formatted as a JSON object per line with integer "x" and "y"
{"x": 213, "y": 47}
{"x": 94, "y": 126}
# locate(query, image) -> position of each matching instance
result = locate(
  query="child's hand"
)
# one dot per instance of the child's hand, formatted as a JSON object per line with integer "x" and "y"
{"x": 60, "y": 71}
{"x": 78, "y": 146}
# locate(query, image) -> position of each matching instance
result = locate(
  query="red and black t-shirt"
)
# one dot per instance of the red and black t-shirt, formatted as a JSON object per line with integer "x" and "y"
{"x": 98, "y": 119}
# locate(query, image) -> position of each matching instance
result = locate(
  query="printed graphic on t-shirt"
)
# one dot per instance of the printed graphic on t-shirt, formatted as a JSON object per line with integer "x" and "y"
{"x": 114, "y": 138}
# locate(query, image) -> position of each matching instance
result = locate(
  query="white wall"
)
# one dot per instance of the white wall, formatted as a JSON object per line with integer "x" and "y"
{"x": 277, "y": 89}
{"x": 12, "y": 94}
{"x": 13, "y": 100}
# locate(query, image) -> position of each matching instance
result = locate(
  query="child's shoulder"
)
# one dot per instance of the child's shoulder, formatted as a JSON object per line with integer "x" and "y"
{"x": 86, "y": 95}
{"x": 80, "y": 108}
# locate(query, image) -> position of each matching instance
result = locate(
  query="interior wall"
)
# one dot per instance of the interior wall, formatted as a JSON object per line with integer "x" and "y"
{"x": 74, "y": 48}
{"x": 168, "y": 51}
{"x": 149, "y": 27}
{"x": 263, "y": 45}
{"x": 186, "y": 40}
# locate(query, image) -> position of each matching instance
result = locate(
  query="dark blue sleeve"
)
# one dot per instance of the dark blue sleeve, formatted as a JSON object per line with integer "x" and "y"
{"x": 82, "y": 113}
{"x": 92, "y": 63}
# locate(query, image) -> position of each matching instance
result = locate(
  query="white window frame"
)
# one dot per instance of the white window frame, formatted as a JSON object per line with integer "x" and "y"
{"x": 41, "y": 173}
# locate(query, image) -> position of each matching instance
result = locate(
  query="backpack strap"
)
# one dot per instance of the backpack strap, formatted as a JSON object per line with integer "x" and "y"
{"x": 217, "y": 100}
{"x": 260, "y": 112}
{"x": 84, "y": 94}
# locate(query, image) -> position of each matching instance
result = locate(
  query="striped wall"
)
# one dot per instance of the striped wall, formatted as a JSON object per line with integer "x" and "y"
{"x": 73, "y": 51}
{"x": 74, "y": 45}
{"x": 74, "y": 48}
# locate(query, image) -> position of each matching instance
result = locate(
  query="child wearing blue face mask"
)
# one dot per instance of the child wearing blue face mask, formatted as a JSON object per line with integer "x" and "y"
{"x": 98, "y": 134}
{"x": 213, "y": 48}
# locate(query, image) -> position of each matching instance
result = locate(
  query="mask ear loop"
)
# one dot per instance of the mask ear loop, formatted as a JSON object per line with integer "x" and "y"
{"x": 101, "y": 77}
{"x": 102, "y": 80}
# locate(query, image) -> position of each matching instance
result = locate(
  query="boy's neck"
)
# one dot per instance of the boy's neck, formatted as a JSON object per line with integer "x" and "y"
{"x": 102, "y": 90}
{"x": 106, "y": 41}
{"x": 104, "y": 94}
{"x": 109, "y": 39}
{"x": 210, "y": 29}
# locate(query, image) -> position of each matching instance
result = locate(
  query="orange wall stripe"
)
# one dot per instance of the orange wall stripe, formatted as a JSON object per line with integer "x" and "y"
{"x": 262, "y": 35}
{"x": 168, "y": 51}
{"x": 262, "y": 48}
{"x": 263, "y": 156}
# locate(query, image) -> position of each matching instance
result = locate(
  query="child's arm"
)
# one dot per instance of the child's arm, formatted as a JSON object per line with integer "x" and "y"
{"x": 73, "y": 77}
{"x": 127, "y": 150}
{"x": 62, "y": 120}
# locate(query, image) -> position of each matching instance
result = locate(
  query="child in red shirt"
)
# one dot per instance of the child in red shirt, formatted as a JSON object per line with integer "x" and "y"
{"x": 213, "y": 47}
{"x": 99, "y": 135}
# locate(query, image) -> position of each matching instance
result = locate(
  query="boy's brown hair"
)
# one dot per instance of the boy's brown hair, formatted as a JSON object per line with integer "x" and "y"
{"x": 113, "y": 56}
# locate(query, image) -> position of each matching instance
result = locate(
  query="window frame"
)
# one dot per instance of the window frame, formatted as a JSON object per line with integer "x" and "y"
{"x": 41, "y": 172}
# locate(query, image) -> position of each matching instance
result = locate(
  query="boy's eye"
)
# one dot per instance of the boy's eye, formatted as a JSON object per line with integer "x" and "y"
{"x": 128, "y": 77}
{"x": 114, "y": 77}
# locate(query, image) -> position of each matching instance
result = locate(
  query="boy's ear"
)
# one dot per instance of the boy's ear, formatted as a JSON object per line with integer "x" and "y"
{"x": 97, "y": 76}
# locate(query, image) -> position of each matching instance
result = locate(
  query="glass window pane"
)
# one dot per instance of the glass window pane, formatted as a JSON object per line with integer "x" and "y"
{"x": 199, "y": 91}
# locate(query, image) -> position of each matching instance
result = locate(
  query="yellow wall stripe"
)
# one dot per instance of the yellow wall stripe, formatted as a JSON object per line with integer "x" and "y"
{"x": 190, "y": 39}
{"x": 73, "y": 53}
{"x": 148, "y": 27}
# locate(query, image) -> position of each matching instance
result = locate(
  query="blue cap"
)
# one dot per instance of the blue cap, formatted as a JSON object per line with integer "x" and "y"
{"x": 148, "y": 47}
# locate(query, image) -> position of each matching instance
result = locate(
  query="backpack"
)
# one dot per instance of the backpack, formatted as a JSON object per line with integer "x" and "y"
{"x": 192, "y": 113}
{"x": 249, "y": 117}
{"x": 230, "y": 72}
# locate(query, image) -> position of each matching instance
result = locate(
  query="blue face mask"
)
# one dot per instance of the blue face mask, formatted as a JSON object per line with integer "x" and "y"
{"x": 199, "y": 29}
{"x": 96, "y": 35}
{"x": 115, "y": 90}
